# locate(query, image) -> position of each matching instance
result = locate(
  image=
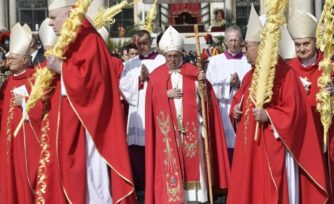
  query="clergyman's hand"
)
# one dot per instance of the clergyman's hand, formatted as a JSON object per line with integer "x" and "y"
{"x": 174, "y": 93}
{"x": 201, "y": 75}
{"x": 237, "y": 111}
{"x": 260, "y": 115}
{"x": 143, "y": 73}
{"x": 234, "y": 80}
{"x": 54, "y": 64}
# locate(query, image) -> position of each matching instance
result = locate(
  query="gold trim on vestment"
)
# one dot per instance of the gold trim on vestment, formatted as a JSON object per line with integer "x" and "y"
{"x": 173, "y": 182}
{"x": 190, "y": 141}
{"x": 192, "y": 185}
{"x": 9, "y": 134}
{"x": 44, "y": 155}
{"x": 246, "y": 123}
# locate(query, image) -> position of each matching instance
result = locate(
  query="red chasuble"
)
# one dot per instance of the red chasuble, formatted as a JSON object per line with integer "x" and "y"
{"x": 92, "y": 103}
{"x": 258, "y": 171}
{"x": 19, "y": 156}
{"x": 172, "y": 163}
{"x": 312, "y": 73}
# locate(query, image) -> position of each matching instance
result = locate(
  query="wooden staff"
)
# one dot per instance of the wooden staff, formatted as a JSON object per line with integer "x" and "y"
{"x": 203, "y": 96}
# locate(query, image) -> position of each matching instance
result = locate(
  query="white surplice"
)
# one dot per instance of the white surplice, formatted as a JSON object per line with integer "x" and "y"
{"x": 219, "y": 73}
{"x": 136, "y": 97}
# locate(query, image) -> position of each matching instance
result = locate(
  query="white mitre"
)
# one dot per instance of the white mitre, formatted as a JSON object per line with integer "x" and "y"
{"x": 171, "y": 40}
{"x": 20, "y": 39}
{"x": 254, "y": 26}
{"x": 55, "y": 4}
{"x": 286, "y": 45}
{"x": 302, "y": 24}
{"x": 46, "y": 34}
{"x": 27, "y": 29}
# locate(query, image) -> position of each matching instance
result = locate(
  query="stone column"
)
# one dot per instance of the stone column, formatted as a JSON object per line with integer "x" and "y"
{"x": 318, "y": 8}
{"x": 304, "y": 5}
{"x": 3, "y": 19}
{"x": 12, "y": 13}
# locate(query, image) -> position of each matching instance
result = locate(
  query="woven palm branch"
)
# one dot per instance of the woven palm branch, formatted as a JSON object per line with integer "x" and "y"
{"x": 325, "y": 43}
{"x": 106, "y": 16}
{"x": 320, "y": 32}
{"x": 264, "y": 74}
{"x": 151, "y": 17}
{"x": 44, "y": 77}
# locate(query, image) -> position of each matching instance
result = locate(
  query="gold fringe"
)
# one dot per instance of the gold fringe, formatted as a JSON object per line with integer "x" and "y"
{"x": 192, "y": 185}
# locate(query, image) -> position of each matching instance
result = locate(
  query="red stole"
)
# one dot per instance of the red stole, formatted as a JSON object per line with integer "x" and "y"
{"x": 189, "y": 142}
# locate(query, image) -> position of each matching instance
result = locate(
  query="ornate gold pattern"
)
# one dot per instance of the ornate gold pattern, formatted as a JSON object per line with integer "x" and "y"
{"x": 173, "y": 183}
{"x": 173, "y": 187}
{"x": 44, "y": 157}
{"x": 246, "y": 122}
{"x": 9, "y": 134}
{"x": 190, "y": 141}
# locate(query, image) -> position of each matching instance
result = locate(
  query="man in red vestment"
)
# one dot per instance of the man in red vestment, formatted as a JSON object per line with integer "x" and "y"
{"x": 285, "y": 165}
{"x": 302, "y": 27}
{"x": 91, "y": 143}
{"x": 174, "y": 147}
{"x": 19, "y": 156}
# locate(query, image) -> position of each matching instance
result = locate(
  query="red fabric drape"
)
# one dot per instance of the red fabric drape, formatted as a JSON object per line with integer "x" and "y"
{"x": 177, "y": 9}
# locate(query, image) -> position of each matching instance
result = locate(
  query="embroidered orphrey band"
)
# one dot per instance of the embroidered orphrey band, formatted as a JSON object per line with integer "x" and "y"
{"x": 44, "y": 158}
{"x": 9, "y": 133}
{"x": 173, "y": 183}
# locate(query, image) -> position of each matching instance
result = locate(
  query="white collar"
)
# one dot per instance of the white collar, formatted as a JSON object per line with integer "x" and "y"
{"x": 233, "y": 54}
{"x": 20, "y": 73}
{"x": 34, "y": 54}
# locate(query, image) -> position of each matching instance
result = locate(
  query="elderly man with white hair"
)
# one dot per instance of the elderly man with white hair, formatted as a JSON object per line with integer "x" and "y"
{"x": 19, "y": 156}
{"x": 92, "y": 155}
{"x": 302, "y": 27}
{"x": 225, "y": 72}
{"x": 174, "y": 154}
